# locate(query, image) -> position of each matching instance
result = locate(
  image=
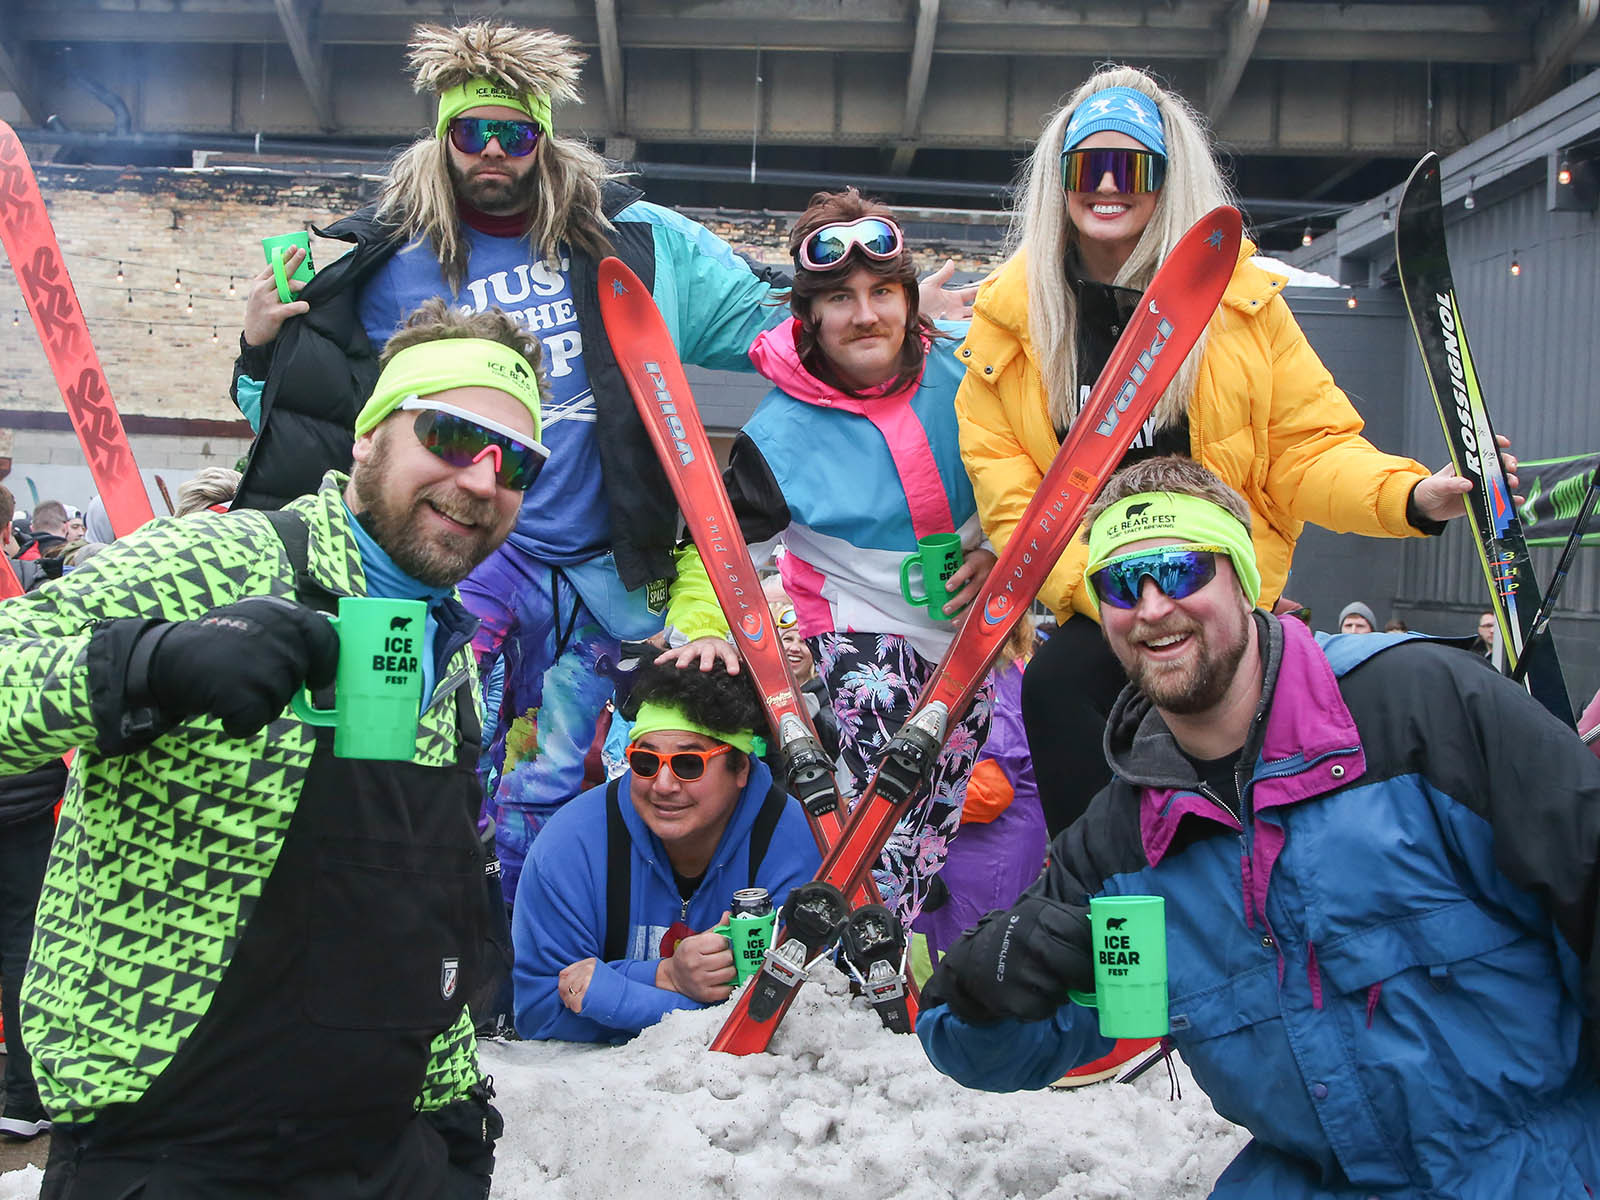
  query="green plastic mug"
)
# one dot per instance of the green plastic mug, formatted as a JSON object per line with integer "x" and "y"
{"x": 275, "y": 248}
{"x": 750, "y": 936}
{"x": 1129, "y": 936}
{"x": 378, "y": 689}
{"x": 938, "y": 557}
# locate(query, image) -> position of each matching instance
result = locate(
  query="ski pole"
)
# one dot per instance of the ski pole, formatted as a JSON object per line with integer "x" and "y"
{"x": 1541, "y": 619}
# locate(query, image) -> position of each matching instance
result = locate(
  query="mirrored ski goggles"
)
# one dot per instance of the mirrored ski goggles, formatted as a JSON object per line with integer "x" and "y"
{"x": 1131, "y": 171}
{"x": 1178, "y": 571}
{"x": 687, "y": 765}
{"x": 828, "y": 247}
{"x": 471, "y": 135}
{"x": 785, "y": 617}
{"x": 462, "y": 438}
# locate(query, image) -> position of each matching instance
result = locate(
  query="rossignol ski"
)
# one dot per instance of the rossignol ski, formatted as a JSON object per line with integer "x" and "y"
{"x": 1172, "y": 314}
{"x": 30, "y": 243}
{"x": 1423, "y": 261}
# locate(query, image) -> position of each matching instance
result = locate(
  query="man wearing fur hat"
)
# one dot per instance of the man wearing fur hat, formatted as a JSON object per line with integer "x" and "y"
{"x": 495, "y": 209}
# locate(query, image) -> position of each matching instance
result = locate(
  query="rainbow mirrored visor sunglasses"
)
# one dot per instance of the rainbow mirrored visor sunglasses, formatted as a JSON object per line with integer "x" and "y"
{"x": 1179, "y": 571}
{"x": 1131, "y": 171}
{"x": 827, "y": 248}
{"x": 462, "y": 438}
{"x": 471, "y": 135}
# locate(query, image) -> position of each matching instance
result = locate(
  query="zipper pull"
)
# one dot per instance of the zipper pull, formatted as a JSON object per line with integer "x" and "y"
{"x": 683, "y": 911}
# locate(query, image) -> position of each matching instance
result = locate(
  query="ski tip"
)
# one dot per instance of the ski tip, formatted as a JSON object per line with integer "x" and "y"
{"x": 616, "y": 278}
{"x": 1222, "y": 229}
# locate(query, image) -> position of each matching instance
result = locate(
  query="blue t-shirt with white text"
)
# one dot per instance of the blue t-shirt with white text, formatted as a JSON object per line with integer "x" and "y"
{"x": 564, "y": 516}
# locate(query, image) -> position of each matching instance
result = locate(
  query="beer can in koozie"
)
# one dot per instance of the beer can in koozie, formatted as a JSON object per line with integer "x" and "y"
{"x": 751, "y": 902}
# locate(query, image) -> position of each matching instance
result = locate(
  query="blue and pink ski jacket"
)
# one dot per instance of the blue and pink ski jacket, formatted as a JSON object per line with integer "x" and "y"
{"x": 849, "y": 485}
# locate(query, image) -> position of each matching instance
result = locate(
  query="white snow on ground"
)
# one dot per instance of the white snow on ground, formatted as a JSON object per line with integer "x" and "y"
{"x": 1295, "y": 276}
{"x": 838, "y": 1108}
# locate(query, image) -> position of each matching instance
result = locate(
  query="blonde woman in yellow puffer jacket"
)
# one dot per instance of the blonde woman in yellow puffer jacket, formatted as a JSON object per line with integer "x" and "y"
{"x": 1120, "y": 173}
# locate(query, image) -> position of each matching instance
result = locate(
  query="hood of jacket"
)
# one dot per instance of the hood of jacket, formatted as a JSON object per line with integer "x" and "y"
{"x": 1302, "y": 742}
{"x": 776, "y": 355}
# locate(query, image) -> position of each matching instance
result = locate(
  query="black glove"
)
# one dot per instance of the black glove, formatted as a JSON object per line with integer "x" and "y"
{"x": 1017, "y": 965}
{"x": 240, "y": 663}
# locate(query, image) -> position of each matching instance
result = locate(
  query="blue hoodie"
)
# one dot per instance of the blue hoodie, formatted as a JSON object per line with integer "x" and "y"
{"x": 560, "y": 912}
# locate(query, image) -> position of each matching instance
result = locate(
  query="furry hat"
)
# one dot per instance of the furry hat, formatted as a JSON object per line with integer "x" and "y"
{"x": 532, "y": 61}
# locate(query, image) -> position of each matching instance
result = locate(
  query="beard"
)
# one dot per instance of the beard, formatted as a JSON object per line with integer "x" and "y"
{"x": 1195, "y": 686}
{"x": 494, "y": 196}
{"x": 435, "y": 558}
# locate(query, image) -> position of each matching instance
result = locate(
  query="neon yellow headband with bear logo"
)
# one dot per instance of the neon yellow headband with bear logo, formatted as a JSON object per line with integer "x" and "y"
{"x": 482, "y": 93}
{"x": 438, "y": 366}
{"x": 1174, "y": 516}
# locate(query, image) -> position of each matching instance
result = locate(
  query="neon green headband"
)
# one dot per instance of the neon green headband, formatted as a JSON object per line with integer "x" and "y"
{"x": 654, "y": 717}
{"x": 481, "y": 93}
{"x": 438, "y": 366}
{"x": 1171, "y": 515}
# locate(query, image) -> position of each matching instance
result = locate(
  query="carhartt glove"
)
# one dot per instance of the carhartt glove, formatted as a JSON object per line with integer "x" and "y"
{"x": 1017, "y": 965}
{"x": 240, "y": 663}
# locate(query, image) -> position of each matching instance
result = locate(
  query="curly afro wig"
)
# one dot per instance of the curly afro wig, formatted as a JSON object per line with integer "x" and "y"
{"x": 711, "y": 698}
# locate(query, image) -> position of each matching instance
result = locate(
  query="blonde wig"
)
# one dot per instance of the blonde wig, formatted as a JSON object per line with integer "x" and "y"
{"x": 1043, "y": 233}
{"x": 418, "y": 197}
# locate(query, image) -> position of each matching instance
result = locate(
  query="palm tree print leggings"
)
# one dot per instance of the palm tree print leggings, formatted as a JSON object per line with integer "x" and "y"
{"x": 873, "y": 681}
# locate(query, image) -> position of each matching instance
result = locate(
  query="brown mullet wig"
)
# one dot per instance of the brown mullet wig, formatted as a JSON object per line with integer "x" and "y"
{"x": 827, "y": 208}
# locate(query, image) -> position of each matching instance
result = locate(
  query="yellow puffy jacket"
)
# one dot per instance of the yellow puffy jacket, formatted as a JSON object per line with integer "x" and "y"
{"x": 1266, "y": 417}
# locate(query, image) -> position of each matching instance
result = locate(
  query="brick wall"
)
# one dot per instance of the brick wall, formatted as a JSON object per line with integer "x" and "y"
{"x": 195, "y": 229}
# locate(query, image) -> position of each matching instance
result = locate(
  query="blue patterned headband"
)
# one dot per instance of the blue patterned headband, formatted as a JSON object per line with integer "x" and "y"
{"x": 1121, "y": 110}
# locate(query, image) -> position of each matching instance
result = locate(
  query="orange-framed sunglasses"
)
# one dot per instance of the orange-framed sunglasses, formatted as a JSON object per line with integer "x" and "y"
{"x": 687, "y": 765}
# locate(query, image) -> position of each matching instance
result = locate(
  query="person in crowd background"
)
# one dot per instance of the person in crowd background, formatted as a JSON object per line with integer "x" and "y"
{"x": 211, "y": 490}
{"x": 1483, "y": 643}
{"x": 27, "y": 823}
{"x": 802, "y": 664}
{"x": 96, "y": 524}
{"x": 1001, "y": 847}
{"x": 47, "y": 531}
{"x": 617, "y": 904}
{"x": 1356, "y": 617}
{"x": 1122, "y": 170}
{"x": 28, "y": 571}
{"x": 850, "y": 459}
{"x": 1427, "y": 1029}
{"x": 1395, "y": 625}
{"x": 249, "y": 970}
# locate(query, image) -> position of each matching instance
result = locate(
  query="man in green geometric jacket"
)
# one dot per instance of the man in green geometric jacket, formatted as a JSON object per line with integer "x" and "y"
{"x": 251, "y": 957}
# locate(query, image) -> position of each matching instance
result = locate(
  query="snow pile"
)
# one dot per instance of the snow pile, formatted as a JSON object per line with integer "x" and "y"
{"x": 837, "y": 1108}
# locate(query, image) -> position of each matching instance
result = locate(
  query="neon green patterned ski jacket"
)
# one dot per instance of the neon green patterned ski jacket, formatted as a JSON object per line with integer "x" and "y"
{"x": 166, "y": 836}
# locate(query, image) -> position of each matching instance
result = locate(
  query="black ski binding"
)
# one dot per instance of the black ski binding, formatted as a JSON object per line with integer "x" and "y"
{"x": 874, "y": 944}
{"x": 812, "y": 917}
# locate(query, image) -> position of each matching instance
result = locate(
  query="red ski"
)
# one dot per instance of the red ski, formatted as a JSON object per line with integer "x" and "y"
{"x": 649, "y": 363}
{"x": 30, "y": 243}
{"x": 1174, "y": 312}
